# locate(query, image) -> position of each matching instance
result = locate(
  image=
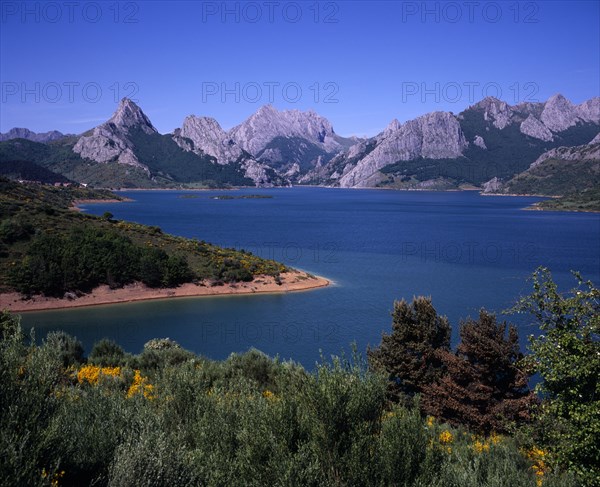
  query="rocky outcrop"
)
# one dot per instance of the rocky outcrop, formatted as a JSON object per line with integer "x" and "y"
{"x": 494, "y": 185}
{"x": 435, "y": 135}
{"x": 496, "y": 111}
{"x": 588, "y": 152}
{"x": 534, "y": 128}
{"x": 22, "y": 133}
{"x": 479, "y": 142}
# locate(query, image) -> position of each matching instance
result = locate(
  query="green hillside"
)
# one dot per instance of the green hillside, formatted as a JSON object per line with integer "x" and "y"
{"x": 46, "y": 247}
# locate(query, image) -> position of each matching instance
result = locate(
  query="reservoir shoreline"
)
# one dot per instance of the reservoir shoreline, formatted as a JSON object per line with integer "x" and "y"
{"x": 103, "y": 295}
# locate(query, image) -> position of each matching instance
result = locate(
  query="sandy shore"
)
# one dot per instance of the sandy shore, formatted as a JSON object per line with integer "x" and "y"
{"x": 290, "y": 281}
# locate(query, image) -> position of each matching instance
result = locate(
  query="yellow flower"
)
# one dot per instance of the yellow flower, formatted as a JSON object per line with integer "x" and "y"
{"x": 430, "y": 420}
{"x": 269, "y": 396}
{"x": 92, "y": 373}
{"x": 446, "y": 437}
{"x": 140, "y": 384}
{"x": 481, "y": 446}
{"x": 539, "y": 466}
{"x": 495, "y": 438}
{"x": 388, "y": 415}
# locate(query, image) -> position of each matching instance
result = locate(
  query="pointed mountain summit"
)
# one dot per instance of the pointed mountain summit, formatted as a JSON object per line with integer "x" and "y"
{"x": 110, "y": 141}
{"x": 128, "y": 115}
{"x": 267, "y": 123}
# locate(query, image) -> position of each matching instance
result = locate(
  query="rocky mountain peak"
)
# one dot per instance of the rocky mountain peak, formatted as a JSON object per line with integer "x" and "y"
{"x": 589, "y": 110}
{"x": 497, "y": 111}
{"x": 128, "y": 115}
{"x": 110, "y": 141}
{"x": 392, "y": 127}
{"x": 208, "y": 137}
{"x": 255, "y": 133}
{"x": 559, "y": 113}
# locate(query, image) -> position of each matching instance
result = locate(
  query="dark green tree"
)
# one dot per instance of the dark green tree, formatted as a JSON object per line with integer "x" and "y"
{"x": 566, "y": 355}
{"x": 483, "y": 387}
{"x": 409, "y": 356}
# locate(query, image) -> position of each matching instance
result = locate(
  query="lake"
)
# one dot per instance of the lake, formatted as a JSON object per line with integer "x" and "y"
{"x": 465, "y": 250}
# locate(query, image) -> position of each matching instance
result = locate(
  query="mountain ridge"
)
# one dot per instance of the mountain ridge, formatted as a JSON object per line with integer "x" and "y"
{"x": 490, "y": 138}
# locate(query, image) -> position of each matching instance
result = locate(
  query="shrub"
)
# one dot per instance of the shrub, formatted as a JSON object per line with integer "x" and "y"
{"x": 68, "y": 349}
{"x": 107, "y": 353}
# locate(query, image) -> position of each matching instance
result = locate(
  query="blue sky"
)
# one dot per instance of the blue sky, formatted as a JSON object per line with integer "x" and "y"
{"x": 360, "y": 64}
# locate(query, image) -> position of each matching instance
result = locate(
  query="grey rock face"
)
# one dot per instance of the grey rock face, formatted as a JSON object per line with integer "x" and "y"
{"x": 559, "y": 114}
{"x": 589, "y": 111}
{"x": 110, "y": 142}
{"x": 23, "y": 133}
{"x": 534, "y": 128}
{"x": 255, "y": 133}
{"x": 209, "y": 138}
{"x": 436, "y": 135}
{"x": 595, "y": 140}
{"x": 479, "y": 142}
{"x": 494, "y": 185}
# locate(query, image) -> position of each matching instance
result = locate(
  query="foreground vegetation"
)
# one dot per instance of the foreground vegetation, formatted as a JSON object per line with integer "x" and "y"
{"x": 46, "y": 247}
{"x": 169, "y": 417}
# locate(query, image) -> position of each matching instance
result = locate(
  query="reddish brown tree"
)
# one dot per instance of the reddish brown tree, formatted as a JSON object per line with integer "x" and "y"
{"x": 483, "y": 386}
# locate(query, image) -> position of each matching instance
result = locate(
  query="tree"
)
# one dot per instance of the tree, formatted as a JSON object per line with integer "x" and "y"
{"x": 409, "y": 356}
{"x": 483, "y": 386}
{"x": 566, "y": 355}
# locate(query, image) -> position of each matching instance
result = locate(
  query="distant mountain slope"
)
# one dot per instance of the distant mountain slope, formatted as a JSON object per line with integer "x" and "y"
{"x": 59, "y": 157}
{"x": 22, "y": 133}
{"x": 572, "y": 173}
{"x": 489, "y": 139}
{"x": 29, "y": 171}
{"x": 559, "y": 172}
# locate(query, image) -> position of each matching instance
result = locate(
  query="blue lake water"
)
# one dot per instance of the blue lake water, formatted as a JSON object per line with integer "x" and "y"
{"x": 465, "y": 250}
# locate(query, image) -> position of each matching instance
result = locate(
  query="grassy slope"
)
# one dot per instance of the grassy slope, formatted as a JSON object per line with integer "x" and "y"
{"x": 555, "y": 177}
{"x": 47, "y": 210}
{"x": 576, "y": 182}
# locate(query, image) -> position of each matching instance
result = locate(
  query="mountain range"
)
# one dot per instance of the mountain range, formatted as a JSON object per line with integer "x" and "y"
{"x": 489, "y": 142}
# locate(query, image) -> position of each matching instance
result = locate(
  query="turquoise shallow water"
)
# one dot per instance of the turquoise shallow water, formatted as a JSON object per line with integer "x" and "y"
{"x": 465, "y": 250}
